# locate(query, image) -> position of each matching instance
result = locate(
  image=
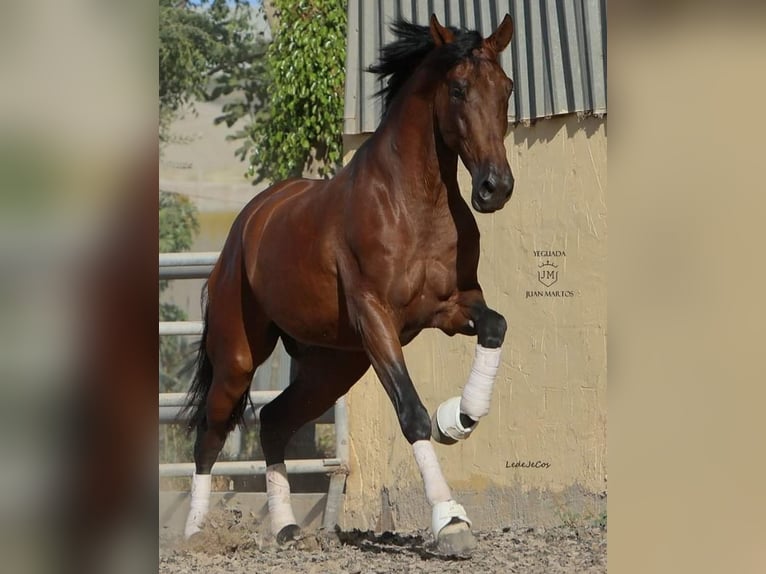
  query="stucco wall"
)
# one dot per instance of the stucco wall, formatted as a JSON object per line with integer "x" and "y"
{"x": 549, "y": 402}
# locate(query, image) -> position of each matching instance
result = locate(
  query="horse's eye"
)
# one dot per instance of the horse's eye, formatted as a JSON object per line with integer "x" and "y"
{"x": 457, "y": 92}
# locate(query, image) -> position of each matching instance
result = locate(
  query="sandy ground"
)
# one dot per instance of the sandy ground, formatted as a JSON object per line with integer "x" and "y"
{"x": 236, "y": 544}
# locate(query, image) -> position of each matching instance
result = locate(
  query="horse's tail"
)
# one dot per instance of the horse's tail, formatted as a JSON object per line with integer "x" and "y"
{"x": 196, "y": 400}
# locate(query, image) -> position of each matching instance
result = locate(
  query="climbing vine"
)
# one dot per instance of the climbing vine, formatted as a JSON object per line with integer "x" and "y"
{"x": 299, "y": 127}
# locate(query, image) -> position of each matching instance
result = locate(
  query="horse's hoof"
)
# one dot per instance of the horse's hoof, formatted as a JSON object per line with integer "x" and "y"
{"x": 456, "y": 539}
{"x": 289, "y": 535}
{"x": 447, "y": 423}
{"x": 194, "y": 523}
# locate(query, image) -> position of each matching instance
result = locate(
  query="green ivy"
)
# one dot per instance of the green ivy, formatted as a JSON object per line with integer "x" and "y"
{"x": 301, "y": 123}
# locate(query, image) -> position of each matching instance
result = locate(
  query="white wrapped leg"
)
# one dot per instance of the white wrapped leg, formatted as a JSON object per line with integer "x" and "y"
{"x": 433, "y": 479}
{"x": 474, "y": 402}
{"x": 477, "y": 392}
{"x": 443, "y": 508}
{"x": 199, "y": 505}
{"x": 278, "y": 495}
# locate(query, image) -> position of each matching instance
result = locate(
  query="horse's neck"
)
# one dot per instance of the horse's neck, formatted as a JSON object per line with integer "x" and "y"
{"x": 420, "y": 152}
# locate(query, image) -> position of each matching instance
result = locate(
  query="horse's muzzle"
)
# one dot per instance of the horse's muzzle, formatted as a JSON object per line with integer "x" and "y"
{"x": 491, "y": 189}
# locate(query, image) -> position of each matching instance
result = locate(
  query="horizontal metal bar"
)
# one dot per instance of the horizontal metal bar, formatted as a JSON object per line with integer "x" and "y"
{"x": 179, "y": 399}
{"x": 180, "y": 327}
{"x": 184, "y": 259}
{"x": 169, "y": 416}
{"x": 186, "y": 272}
{"x": 247, "y": 468}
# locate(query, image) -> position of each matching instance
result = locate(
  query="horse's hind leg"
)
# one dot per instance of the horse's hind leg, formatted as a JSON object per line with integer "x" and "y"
{"x": 234, "y": 357}
{"x": 321, "y": 377}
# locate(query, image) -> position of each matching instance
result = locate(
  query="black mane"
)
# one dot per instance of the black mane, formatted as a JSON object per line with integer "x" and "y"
{"x": 399, "y": 59}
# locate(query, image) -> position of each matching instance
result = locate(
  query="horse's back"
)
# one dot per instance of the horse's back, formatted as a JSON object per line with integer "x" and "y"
{"x": 231, "y": 253}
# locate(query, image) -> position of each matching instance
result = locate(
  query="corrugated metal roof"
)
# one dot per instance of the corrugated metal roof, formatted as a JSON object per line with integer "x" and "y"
{"x": 557, "y": 58}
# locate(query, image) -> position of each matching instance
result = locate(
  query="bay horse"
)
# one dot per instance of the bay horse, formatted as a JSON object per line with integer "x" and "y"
{"x": 348, "y": 270}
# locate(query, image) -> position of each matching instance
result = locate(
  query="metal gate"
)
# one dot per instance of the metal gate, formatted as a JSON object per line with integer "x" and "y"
{"x": 198, "y": 266}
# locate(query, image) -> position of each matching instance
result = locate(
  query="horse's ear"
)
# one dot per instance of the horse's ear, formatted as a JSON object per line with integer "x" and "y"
{"x": 439, "y": 33}
{"x": 501, "y": 37}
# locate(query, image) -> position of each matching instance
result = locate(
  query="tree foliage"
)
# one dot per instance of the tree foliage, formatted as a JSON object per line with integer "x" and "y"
{"x": 178, "y": 225}
{"x": 289, "y": 96}
{"x": 178, "y": 222}
{"x": 300, "y": 125}
{"x": 207, "y": 49}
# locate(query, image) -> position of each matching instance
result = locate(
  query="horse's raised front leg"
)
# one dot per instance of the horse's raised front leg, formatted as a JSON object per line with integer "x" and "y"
{"x": 449, "y": 522}
{"x": 456, "y": 418}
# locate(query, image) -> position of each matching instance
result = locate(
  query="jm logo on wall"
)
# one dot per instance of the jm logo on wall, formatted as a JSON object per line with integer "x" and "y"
{"x": 548, "y": 269}
{"x": 548, "y": 273}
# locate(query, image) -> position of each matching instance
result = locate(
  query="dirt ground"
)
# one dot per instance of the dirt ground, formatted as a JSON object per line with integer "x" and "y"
{"x": 234, "y": 543}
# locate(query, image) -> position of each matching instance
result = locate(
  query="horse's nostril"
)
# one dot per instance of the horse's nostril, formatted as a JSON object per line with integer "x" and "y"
{"x": 485, "y": 193}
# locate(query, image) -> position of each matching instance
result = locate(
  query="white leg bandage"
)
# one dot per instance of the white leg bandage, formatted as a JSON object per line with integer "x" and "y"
{"x": 278, "y": 494}
{"x": 436, "y": 487}
{"x": 200, "y": 502}
{"x": 477, "y": 393}
{"x": 443, "y": 508}
{"x": 475, "y": 401}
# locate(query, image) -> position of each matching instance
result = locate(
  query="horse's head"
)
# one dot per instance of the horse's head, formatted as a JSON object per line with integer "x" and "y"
{"x": 472, "y": 113}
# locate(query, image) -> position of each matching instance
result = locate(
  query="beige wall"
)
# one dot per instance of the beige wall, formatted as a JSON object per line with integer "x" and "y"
{"x": 549, "y": 401}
